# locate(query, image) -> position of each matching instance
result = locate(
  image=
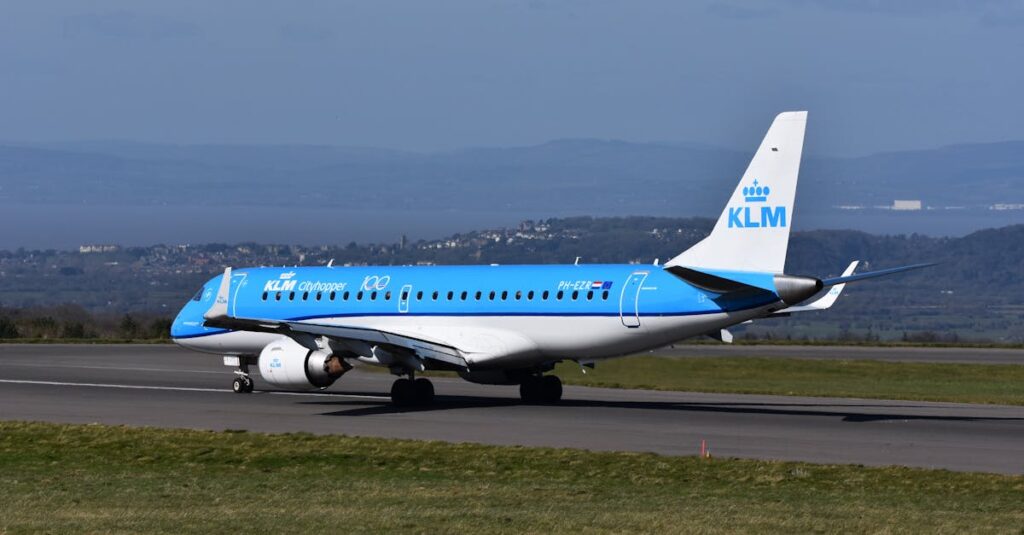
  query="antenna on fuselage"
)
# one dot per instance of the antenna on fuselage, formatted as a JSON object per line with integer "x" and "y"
{"x": 331, "y": 263}
{"x": 577, "y": 262}
{"x": 656, "y": 261}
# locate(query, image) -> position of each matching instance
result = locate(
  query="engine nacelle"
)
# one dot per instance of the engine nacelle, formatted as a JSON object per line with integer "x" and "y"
{"x": 287, "y": 364}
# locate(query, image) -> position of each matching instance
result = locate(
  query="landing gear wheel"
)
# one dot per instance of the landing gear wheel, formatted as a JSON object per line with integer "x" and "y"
{"x": 424, "y": 391}
{"x": 541, "y": 389}
{"x": 529, "y": 390}
{"x": 249, "y": 384}
{"x": 551, "y": 387}
{"x": 239, "y": 385}
{"x": 403, "y": 393}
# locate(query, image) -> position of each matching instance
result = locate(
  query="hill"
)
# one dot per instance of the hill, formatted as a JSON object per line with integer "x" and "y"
{"x": 974, "y": 293}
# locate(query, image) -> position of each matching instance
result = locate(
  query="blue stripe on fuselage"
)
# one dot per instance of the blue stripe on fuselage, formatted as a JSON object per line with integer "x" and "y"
{"x": 255, "y": 291}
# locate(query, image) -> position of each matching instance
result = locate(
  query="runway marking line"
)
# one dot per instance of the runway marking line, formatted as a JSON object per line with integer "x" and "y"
{"x": 185, "y": 389}
{"x": 173, "y": 370}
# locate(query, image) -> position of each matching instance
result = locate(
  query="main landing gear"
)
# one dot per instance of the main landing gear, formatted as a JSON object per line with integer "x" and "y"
{"x": 412, "y": 392}
{"x": 541, "y": 389}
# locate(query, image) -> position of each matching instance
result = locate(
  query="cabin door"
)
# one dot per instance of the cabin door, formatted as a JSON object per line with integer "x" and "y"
{"x": 629, "y": 302}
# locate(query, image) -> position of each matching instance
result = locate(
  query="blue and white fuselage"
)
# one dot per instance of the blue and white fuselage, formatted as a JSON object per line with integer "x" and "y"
{"x": 509, "y": 324}
{"x": 496, "y": 315}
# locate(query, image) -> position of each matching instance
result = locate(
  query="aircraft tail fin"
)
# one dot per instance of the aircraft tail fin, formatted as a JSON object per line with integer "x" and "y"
{"x": 752, "y": 234}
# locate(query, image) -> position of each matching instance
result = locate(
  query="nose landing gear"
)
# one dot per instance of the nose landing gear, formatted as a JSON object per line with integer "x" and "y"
{"x": 242, "y": 384}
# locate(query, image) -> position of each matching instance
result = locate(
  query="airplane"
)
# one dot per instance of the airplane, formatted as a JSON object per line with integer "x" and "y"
{"x": 302, "y": 327}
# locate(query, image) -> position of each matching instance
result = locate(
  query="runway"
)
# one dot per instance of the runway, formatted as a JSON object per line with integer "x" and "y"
{"x": 166, "y": 386}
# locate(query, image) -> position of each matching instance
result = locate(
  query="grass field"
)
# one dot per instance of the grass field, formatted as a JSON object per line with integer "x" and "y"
{"x": 64, "y": 478}
{"x": 966, "y": 383}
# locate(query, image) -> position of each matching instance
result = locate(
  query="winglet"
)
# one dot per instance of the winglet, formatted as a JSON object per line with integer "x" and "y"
{"x": 219, "y": 309}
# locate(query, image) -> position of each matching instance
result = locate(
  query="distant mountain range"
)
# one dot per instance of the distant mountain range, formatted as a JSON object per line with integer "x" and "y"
{"x": 600, "y": 177}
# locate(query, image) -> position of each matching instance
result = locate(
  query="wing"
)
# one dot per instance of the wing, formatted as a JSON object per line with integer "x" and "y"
{"x": 421, "y": 347}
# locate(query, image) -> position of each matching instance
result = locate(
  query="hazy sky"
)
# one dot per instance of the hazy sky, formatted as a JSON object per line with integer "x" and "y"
{"x": 427, "y": 75}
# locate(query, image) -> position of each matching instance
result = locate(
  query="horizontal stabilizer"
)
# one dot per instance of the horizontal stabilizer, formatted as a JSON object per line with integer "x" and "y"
{"x": 871, "y": 274}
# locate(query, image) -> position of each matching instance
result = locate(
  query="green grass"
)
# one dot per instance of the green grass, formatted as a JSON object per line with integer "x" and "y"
{"x": 964, "y": 383}
{"x": 104, "y": 479}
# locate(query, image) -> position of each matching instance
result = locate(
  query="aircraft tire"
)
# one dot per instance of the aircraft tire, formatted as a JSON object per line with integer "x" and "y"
{"x": 250, "y": 385}
{"x": 529, "y": 390}
{"x": 551, "y": 388}
{"x": 403, "y": 393}
{"x": 238, "y": 385}
{"x": 423, "y": 391}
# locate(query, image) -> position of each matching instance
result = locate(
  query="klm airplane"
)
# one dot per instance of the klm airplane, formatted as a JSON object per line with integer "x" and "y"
{"x": 304, "y": 326}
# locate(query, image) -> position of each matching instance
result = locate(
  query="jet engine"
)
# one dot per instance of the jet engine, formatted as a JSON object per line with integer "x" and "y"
{"x": 287, "y": 364}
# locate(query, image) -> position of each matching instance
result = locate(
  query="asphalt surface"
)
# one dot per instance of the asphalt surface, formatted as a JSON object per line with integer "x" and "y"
{"x": 166, "y": 386}
{"x": 962, "y": 355}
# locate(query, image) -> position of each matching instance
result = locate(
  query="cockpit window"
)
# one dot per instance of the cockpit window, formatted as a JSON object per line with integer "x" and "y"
{"x": 199, "y": 295}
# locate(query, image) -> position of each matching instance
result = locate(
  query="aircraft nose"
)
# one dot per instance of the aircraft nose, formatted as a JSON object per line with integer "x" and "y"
{"x": 177, "y": 329}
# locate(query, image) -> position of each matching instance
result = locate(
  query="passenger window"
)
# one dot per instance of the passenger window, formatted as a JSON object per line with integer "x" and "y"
{"x": 464, "y": 295}
{"x": 344, "y": 296}
{"x": 405, "y": 295}
{"x": 331, "y": 296}
{"x": 419, "y": 295}
{"x": 359, "y": 296}
{"x": 278, "y": 296}
{"x": 604, "y": 295}
{"x": 529, "y": 296}
{"x": 387, "y": 295}
{"x": 291, "y": 296}
{"x": 559, "y": 295}
{"x": 450, "y": 295}
{"x": 264, "y": 296}
{"x": 504, "y": 295}
{"x": 373, "y": 296}
{"x": 590, "y": 295}
{"x": 479, "y": 294}
{"x": 519, "y": 294}
{"x": 434, "y": 295}
{"x": 544, "y": 296}
{"x": 492, "y": 295}
{"x": 319, "y": 295}
{"x": 575, "y": 294}
{"x": 305, "y": 296}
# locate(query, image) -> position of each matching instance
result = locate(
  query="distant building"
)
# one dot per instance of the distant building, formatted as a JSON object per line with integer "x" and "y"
{"x": 98, "y": 248}
{"x": 1007, "y": 206}
{"x": 906, "y": 205}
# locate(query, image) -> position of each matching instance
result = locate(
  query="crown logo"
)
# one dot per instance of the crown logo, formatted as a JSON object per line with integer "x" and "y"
{"x": 286, "y": 276}
{"x": 756, "y": 193}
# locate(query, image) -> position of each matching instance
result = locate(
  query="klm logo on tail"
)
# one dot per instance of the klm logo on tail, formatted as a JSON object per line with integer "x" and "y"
{"x": 748, "y": 216}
